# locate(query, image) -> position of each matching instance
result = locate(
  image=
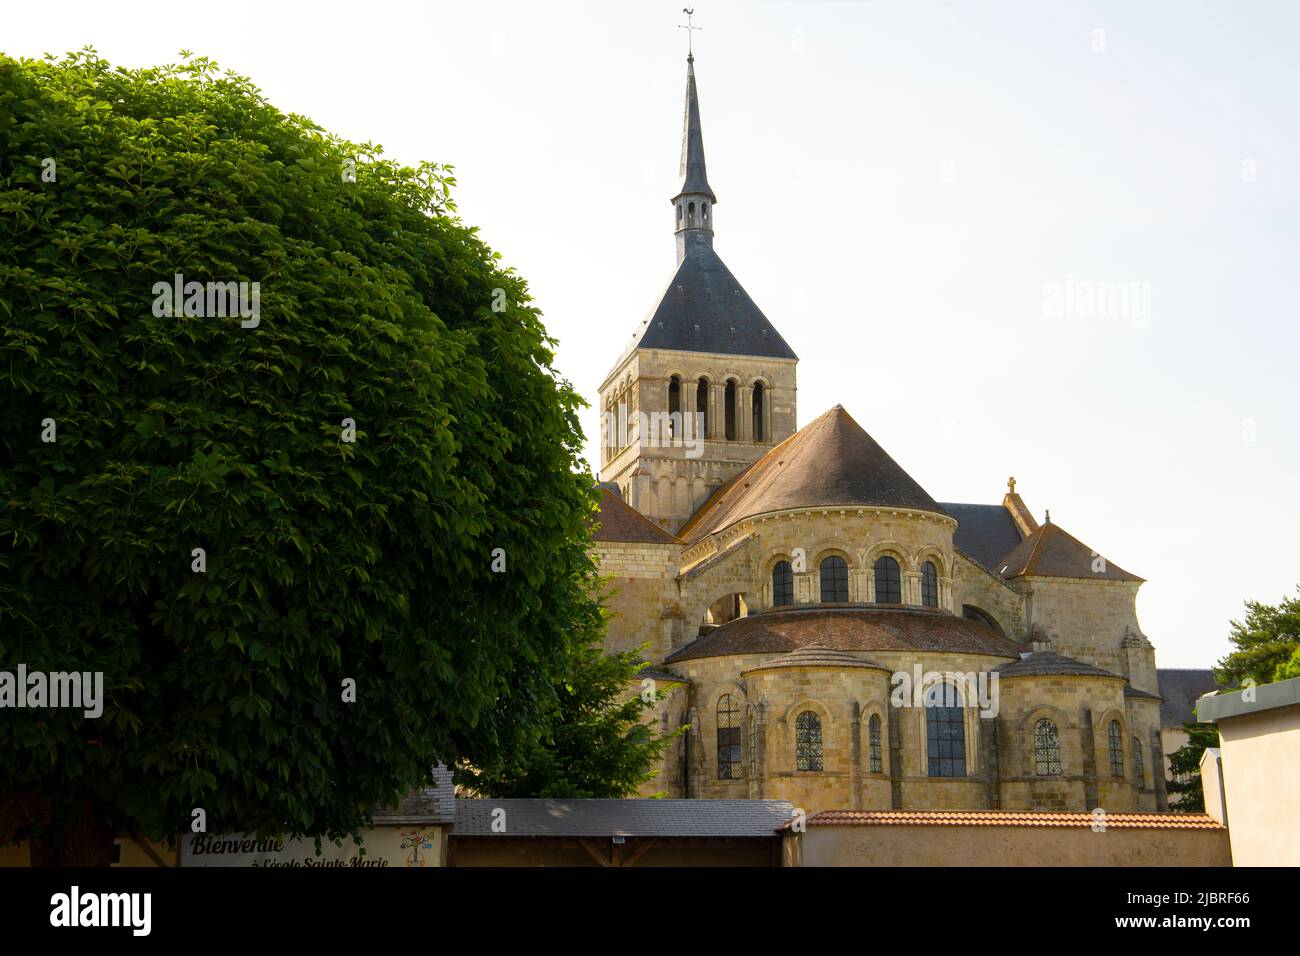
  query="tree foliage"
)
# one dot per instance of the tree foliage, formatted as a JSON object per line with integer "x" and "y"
{"x": 1185, "y": 765}
{"x": 325, "y": 559}
{"x": 600, "y": 744}
{"x": 1266, "y": 642}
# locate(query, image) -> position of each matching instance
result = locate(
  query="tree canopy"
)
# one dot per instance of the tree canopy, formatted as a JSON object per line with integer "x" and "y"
{"x": 378, "y": 480}
{"x": 1266, "y": 644}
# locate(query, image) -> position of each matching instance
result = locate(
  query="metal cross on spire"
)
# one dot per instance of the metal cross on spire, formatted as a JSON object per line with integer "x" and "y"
{"x": 690, "y": 29}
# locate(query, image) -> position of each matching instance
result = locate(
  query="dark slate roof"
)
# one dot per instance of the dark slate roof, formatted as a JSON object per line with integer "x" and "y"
{"x": 816, "y": 654}
{"x": 852, "y": 629}
{"x": 661, "y": 674}
{"x": 1051, "y": 552}
{"x": 705, "y": 309}
{"x": 631, "y": 818}
{"x": 1051, "y": 664}
{"x": 694, "y": 177}
{"x": 436, "y": 804}
{"x": 830, "y": 461}
{"x": 985, "y": 532}
{"x": 1131, "y": 691}
{"x": 1180, "y": 689}
{"x": 616, "y": 520}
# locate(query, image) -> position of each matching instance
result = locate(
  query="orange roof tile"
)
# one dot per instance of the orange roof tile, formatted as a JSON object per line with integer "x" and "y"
{"x": 997, "y": 818}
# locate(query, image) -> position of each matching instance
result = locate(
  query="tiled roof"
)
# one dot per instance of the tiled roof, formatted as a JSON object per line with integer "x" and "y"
{"x": 852, "y": 629}
{"x": 816, "y": 654}
{"x": 1180, "y": 689}
{"x": 993, "y": 818}
{"x": 632, "y": 818}
{"x": 619, "y": 521}
{"x": 436, "y": 804}
{"x": 1131, "y": 691}
{"x": 1051, "y": 552}
{"x": 985, "y": 532}
{"x": 829, "y": 462}
{"x": 1052, "y": 664}
{"x": 661, "y": 674}
{"x": 705, "y": 309}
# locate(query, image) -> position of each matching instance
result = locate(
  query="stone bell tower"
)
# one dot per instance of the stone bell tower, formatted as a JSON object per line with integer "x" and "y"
{"x": 707, "y": 384}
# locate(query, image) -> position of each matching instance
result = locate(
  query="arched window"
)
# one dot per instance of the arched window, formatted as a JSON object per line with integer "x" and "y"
{"x": 1138, "y": 774}
{"x": 889, "y": 583}
{"x": 929, "y": 585}
{"x": 782, "y": 584}
{"x": 728, "y": 738}
{"x": 835, "y": 580}
{"x": 702, "y": 406}
{"x": 808, "y": 741}
{"x": 945, "y": 739}
{"x": 874, "y": 761}
{"x": 690, "y": 214}
{"x": 1047, "y": 749}
{"x": 1116, "y": 736}
{"x": 674, "y": 407}
{"x": 758, "y": 411}
{"x": 753, "y": 747}
{"x": 679, "y": 216}
{"x": 729, "y": 412}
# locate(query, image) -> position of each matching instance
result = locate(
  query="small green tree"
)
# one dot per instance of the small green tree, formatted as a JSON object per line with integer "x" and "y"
{"x": 600, "y": 744}
{"x": 1289, "y": 668}
{"x": 1185, "y": 765}
{"x": 1265, "y": 641}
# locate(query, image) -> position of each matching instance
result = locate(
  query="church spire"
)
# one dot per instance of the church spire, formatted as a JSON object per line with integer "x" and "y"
{"x": 693, "y": 204}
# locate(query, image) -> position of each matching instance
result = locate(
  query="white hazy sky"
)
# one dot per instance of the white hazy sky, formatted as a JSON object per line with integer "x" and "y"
{"x": 899, "y": 185}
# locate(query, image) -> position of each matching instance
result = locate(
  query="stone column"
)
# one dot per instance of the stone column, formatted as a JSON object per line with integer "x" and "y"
{"x": 688, "y": 411}
{"x": 745, "y": 413}
{"x": 1091, "y": 788}
{"x": 895, "y": 715}
{"x": 855, "y": 754}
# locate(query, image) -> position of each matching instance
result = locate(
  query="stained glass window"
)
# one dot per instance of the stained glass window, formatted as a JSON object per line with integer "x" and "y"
{"x": 945, "y": 733}
{"x": 1047, "y": 749}
{"x": 808, "y": 741}
{"x": 889, "y": 583}
{"x": 728, "y": 738}
{"x": 874, "y": 761}
{"x": 835, "y": 580}
{"x": 929, "y": 585}
{"x": 1116, "y": 750}
{"x": 782, "y": 584}
{"x": 753, "y": 748}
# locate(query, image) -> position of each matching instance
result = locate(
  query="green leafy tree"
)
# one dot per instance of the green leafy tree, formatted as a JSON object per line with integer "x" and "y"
{"x": 1265, "y": 642}
{"x": 1185, "y": 764}
{"x": 382, "y": 472}
{"x": 1289, "y": 669}
{"x": 600, "y": 744}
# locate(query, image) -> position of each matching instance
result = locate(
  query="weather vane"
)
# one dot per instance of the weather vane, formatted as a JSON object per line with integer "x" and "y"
{"x": 689, "y": 30}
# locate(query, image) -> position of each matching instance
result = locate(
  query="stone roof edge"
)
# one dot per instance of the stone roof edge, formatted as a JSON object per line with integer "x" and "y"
{"x": 699, "y": 568}
{"x": 1000, "y": 580}
{"x": 817, "y": 509}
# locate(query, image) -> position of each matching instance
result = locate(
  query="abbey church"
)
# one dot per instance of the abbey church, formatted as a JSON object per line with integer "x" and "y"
{"x": 794, "y": 587}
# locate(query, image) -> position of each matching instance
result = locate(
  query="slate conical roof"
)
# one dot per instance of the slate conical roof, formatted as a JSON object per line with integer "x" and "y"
{"x": 1052, "y": 664}
{"x": 704, "y": 309}
{"x": 816, "y": 654}
{"x": 831, "y": 461}
{"x": 695, "y": 179}
{"x": 1051, "y": 552}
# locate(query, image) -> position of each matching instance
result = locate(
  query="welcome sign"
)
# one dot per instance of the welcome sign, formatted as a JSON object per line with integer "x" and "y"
{"x": 384, "y": 847}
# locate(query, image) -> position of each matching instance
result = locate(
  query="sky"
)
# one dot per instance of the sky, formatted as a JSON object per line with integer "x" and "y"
{"x": 1054, "y": 240}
